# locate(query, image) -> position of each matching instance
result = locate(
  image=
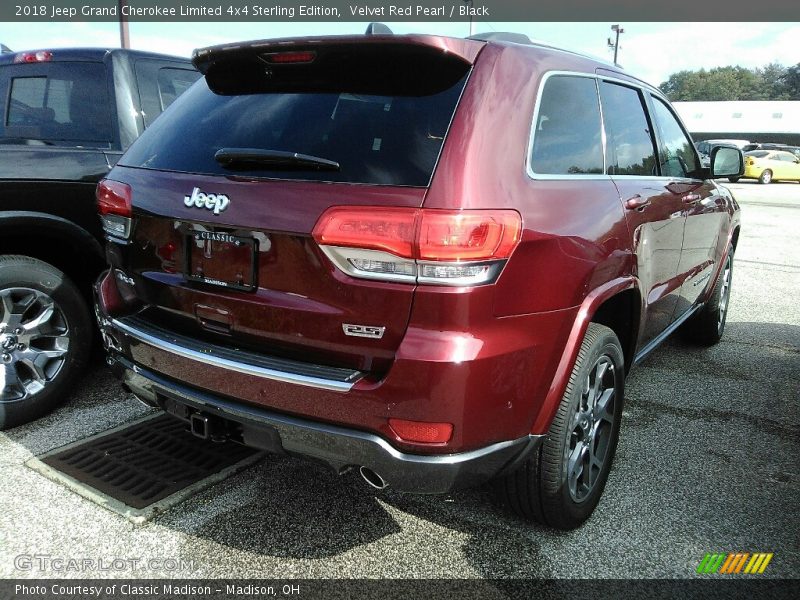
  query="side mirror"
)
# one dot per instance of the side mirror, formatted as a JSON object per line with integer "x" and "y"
{"x": 726, "y": 161}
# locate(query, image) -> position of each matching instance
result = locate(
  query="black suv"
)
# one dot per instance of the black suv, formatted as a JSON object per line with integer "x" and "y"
{"x": 66, "y": 117}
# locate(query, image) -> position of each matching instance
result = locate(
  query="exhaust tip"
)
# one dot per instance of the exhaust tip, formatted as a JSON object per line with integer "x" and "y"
{"x": 372, "y": 478}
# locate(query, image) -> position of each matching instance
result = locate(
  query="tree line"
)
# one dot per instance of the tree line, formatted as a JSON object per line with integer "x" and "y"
{"x": 770, "y": 82}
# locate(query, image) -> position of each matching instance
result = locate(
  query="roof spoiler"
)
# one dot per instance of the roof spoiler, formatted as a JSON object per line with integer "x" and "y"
{"x": 384, "y": 65}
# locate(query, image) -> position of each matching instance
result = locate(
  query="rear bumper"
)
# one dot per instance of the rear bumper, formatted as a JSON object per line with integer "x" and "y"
{"x": 339, "y": 447}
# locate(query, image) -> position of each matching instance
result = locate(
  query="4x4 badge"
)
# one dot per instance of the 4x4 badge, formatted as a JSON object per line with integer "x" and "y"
{"x": 215, "y": 202}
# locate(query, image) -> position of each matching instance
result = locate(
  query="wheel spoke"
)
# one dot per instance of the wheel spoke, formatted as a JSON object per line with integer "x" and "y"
{"x": 599, "y": 374}
{"x": 604, "y": 407}
{"x": 575, "y": 466}
{"x": 37, "y": 361}
{"x": 11, "y": 387}
{"x": 595, "y": 467}
{"x": 8, "y": 306}
{"x": 14, "y": 311}
{"x": 41, "y": 325}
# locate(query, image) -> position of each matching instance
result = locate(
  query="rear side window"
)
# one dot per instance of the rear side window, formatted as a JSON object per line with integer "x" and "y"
{"x": 160, "y": 83}
{"x": 629, "y": 141}
{"x": 66, "y": 102}
{"x": 678, "y": 158}
{"x": 173, "y": 82}
{"x": 376, "y": 139}
{"x": 566, "y": 137}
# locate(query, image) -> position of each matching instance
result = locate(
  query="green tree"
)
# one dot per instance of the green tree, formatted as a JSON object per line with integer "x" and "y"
{"x": 770, "y": 82}
{"x": 791, "y": 81}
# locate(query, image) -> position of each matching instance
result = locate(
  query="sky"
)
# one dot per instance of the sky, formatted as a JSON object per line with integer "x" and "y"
{"x": 651, "y": 51}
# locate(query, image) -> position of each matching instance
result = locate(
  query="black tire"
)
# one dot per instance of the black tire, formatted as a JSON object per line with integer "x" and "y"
{"x": 765, "y": 177}
{"x": 706, "y": 327}
{"x": 40, "y": 364}
{"x": 733, "y": 179}
{"x": 541, "y": 489}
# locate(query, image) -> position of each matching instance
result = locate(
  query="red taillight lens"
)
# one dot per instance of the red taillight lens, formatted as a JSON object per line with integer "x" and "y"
{"x": 424, "y": 234}
{"x": 385, "y": 229}
{"x": 468, "y": 235}
{"x": 33, "y": 57}
{"x": 114, "y": 198}
{"x": 287, "y": 58}
{"x": 419, "y": 431}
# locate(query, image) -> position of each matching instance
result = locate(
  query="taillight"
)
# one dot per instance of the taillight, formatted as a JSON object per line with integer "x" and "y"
{"x": 468, "y": 235}
{"x": 115, "y": 205}
{"x": 448, "y": 247}
{"x": 33, "y": 57}
{"x": 419, "y": 431}
{"x": 386, "y": 229}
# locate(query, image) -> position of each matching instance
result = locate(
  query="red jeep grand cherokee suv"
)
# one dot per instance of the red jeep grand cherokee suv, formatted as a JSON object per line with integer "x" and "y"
{"x": 431, "y": 259}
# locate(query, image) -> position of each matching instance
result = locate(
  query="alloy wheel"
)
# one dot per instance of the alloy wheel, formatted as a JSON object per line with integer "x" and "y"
{"x": 724, "y": 292}
{"x": 591, "y": 429}
{"x": 34, "y": 341}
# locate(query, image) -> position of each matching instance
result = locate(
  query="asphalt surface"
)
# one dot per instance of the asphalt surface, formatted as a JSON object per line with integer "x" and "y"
{"x": 708, "y": 462}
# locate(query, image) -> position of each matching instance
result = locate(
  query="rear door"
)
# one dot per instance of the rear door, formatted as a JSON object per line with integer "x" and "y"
{"x": 223, "y": 250}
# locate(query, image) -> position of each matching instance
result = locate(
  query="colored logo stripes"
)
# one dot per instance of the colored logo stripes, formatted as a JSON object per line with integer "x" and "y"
{"x": 735, "y": 562}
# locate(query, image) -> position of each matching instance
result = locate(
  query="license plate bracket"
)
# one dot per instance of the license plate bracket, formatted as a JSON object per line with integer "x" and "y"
{"x": 221, "y": 259}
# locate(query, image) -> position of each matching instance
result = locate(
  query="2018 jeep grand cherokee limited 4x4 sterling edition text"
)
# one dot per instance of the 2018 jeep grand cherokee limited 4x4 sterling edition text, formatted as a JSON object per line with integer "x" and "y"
{"x": 431, "y": 259}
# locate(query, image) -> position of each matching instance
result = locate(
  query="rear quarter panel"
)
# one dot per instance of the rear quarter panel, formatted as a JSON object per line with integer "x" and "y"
{"x": 575, "y": 239}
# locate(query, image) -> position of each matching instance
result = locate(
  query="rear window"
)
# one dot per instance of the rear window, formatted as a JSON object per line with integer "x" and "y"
{"x": 758, "y": 153}
{"x": 66, "y": 102}
{"x": 376, "y": 139}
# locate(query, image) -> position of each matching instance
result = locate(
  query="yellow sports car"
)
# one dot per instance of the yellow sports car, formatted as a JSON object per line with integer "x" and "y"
{"x": 770, "y": 165}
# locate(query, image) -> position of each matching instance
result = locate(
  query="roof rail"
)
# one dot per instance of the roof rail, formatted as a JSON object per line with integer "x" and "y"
{"x": 502, "y": 36}
{"x": 378, "y": 29}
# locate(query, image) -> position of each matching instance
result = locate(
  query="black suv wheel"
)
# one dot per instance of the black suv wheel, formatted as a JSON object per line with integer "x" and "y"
{"x": 45, "y": 338}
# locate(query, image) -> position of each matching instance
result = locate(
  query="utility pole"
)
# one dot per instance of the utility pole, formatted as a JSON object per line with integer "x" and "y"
{"x": 124, "y": 34}
{"x": 470, "y": 3}
{"x": 615, "y": 44}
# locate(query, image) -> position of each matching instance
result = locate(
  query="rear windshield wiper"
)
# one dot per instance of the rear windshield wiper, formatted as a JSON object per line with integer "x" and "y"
{"x": 272, "y": 159}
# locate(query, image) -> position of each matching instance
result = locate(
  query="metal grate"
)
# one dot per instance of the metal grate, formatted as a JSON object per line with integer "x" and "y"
{"x": 146, "y": 462}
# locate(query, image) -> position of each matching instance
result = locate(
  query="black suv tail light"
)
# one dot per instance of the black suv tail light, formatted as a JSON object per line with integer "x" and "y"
{"x": 114, "y": 203}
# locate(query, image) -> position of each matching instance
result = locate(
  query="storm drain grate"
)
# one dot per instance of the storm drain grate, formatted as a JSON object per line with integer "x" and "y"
{"x": 146, "y": 462}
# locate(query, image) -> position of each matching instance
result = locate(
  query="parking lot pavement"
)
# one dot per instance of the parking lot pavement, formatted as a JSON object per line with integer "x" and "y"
{"x": 707, "y": 462}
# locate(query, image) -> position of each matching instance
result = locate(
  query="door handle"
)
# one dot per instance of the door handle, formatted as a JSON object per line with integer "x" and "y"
{"x": 636, "y": 202}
